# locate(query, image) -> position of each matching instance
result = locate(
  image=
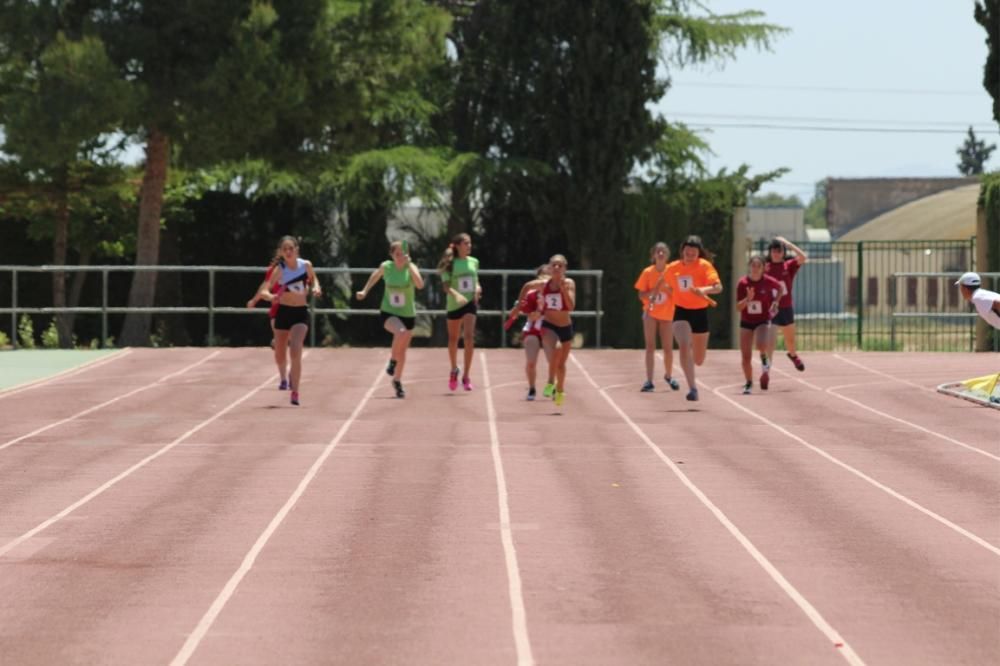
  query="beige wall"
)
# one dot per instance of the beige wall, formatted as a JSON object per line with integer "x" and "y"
{"x": 851, "y": 202}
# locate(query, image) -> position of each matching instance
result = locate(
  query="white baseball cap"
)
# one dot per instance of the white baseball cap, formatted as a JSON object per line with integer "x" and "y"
{"x": 969, "y": 280}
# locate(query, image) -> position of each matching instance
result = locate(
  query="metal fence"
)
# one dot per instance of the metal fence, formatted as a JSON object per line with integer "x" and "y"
{"x": 884, "y": 295}
{"x": 339, "y": 285}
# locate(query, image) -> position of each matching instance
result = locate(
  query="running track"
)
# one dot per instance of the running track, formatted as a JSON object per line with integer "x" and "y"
{"x": 169, "y": 507}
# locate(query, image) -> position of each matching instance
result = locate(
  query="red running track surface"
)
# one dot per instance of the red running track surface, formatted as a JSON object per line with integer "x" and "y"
{"x": 171, "y": 507}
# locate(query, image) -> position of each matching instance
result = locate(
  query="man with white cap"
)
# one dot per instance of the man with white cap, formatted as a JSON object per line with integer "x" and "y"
{"x": 987, "y": 302}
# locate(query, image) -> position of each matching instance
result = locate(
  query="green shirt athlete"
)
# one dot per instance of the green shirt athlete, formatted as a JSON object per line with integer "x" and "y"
{"x": 400, "y": 296}
{"x": 463, "y": 278}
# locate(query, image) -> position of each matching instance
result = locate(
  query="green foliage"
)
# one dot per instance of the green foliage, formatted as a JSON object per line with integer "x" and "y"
{"x": 973, "y": 154}
{"x": 26, "y": 332}
{"x": 688, "y": 39}
{"x": 987, "y": 14}
{"x": 775, "y": 200}
{"x": 815, "y": 215}
{"x": 50, "y": 336}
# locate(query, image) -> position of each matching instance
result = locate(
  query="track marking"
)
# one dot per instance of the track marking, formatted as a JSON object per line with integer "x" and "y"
{"x": 833, "y": 391}
{"x": 217, "y": 606}
{"x": 89, "y": 365}
{"x": 128, "y": 472}
{"x": 89, "y": 410}
{"x": 514, "y": 586}
{"x": 861, "y": 475}
{"x": 884, "y": 374}
{"x": 842, "y": 646}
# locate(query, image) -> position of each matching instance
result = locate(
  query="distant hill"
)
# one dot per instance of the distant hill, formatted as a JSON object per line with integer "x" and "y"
{"x": 948, "y": 215}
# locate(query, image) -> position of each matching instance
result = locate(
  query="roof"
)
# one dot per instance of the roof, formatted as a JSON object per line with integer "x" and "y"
{"x": 948, "y": 215}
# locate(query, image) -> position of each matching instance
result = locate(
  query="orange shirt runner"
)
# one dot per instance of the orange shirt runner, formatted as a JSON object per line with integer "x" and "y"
{"x": 663, "y": 305}
{"x": 682, "y": 277}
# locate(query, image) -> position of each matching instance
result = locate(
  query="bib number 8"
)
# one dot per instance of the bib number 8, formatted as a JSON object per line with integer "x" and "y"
{"x": 466, "y": 284}
{"x": 397, "y": 299}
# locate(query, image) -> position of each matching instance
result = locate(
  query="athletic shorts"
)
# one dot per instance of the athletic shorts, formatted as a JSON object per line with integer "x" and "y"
{"x": 752, "y": 325}
{"x": 408, "y": 322}
{"x": 698, "y": 319}
{"x": 469, "y": 308}
{"x": 784, "y": 317}
{"x": 564, "y": 333}
{"x": 290, "y": 315}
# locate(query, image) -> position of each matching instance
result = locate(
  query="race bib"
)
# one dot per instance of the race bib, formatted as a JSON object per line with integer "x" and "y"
{"x": 553, "y": 302}
{"x": 296, "y": 287}
{"x": 466, "y": 284}
{"x": 660, "y": 297}
{"x": 397, "y": 299}
{"x": 685, "y": 282}
{"x": 754, "y": 307}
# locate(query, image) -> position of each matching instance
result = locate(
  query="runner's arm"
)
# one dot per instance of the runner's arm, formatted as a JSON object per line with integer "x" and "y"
{"x": 372, "y": 279}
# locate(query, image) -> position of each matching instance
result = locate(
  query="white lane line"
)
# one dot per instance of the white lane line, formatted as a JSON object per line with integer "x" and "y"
{"x": 200, "y": 631}
{"x": 89, "y": 365}
{"x": 89, "y": 410}
{"x": 134, "y": 468}
{"x": 884, "y": 374}
{"x": 833, "y": 391}
{"x": 810, "y": 611}
{"x": 519, "y": 618}
{"x": 861, "y": 475}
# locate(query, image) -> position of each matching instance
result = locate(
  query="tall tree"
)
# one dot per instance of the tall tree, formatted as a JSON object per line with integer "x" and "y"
{"x": 973, "y": 154}
{"x": 292, "y": 81}
{"x": 987, "y": 14}
{"x": 61, "y": 97}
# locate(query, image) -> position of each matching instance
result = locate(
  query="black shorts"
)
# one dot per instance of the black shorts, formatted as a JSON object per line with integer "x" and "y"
{"x": 698, "y": 319}
{"x": 408, "y": 322}
{"x": 469, "y": 308}
{"x": 784, "y": 317}
{"x": 753, "y": 325}
{"x": 290, "y": 315}
{"x": 564, "y": 333}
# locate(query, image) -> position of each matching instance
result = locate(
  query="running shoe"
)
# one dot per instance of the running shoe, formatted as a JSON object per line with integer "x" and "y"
{"x": 391, "y": 368}
{"x": 548, "y": 390}
{"x": 466, "y": 383}
{"x": 648, "y": 387}
{"x": 765, "y": 379}
{"x": 747, "y": 388}
{"x": 765, "y": 362}
{"x": 453, "y": 380}
{"x": 559, "y": 398}
{"x": 283, "y": 386}
{"x": 799, "y": 365}
{"x": 692, "y": 395}
{"x": 398, "y": 385}
{"x": 295, "y": 398}
{"x": 672, "y": 383}
{"x": 531, "y": 394}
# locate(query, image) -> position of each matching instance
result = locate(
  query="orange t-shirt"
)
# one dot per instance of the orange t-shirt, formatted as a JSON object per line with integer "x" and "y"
{"x": 663, "y": 304}
{"x": 682, "y": 277}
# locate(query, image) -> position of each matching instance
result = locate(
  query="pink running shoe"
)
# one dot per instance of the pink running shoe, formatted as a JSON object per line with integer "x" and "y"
{"x": 453, "y": 380}
{"x": 295, "y": 398}
{"x": 466, "y": 383}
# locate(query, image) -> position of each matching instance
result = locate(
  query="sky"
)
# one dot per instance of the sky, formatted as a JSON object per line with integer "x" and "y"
{"x": 873, "y": 64}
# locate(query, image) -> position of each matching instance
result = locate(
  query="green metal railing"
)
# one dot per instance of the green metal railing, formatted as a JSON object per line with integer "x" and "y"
{"x": 852, "y": 296}
{"x": 341, "y": 281}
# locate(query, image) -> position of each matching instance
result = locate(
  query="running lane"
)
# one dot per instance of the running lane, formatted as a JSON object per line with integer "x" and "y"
{"x": 125, "y": 576}
{"x": 621, "y": 563}
{"x": 392, "y": 555}
{"x": 915, "y": 581}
